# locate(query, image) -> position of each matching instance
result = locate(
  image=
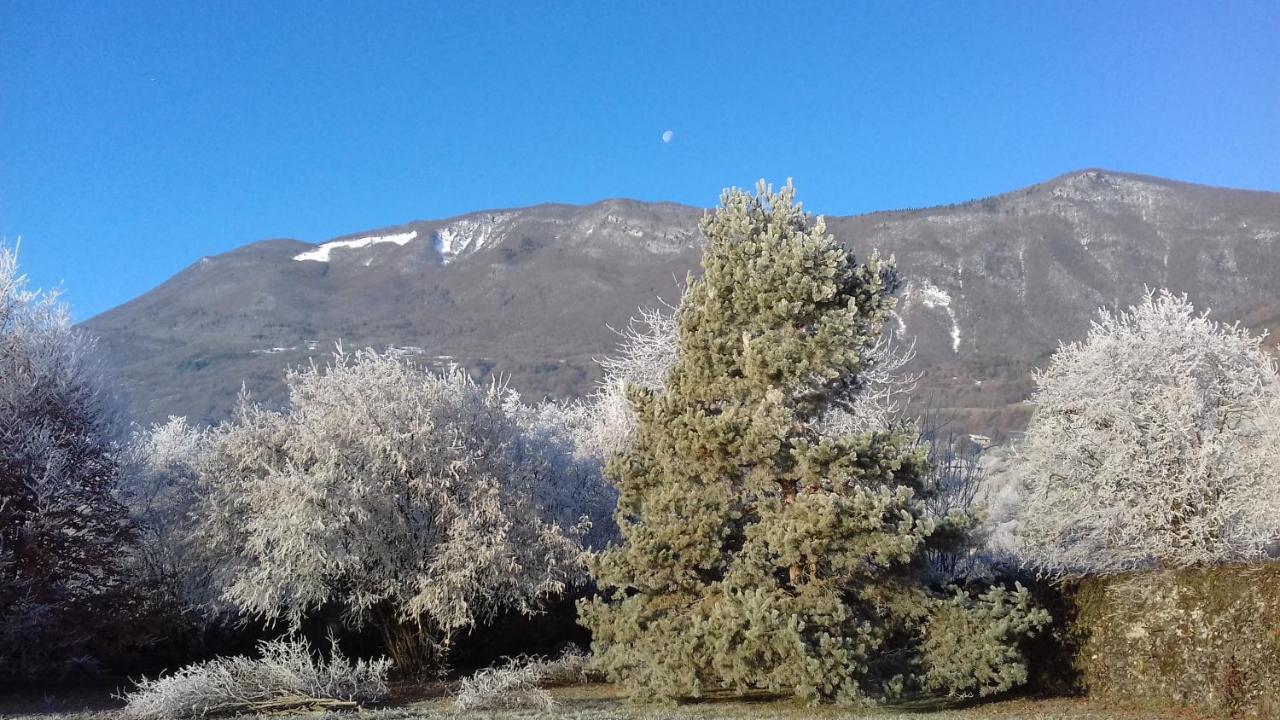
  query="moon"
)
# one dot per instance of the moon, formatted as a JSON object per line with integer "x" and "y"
{"x": 666, "y": 136}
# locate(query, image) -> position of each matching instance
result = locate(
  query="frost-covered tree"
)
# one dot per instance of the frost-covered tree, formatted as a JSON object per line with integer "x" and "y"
{"x": 407, "y": 498}
{"x": 1148, "y": 445}
{"x": 161, "y": 482}
{"x": 552, "y": 442}
{"x": 62, "y": 529}
{"x": 648, "y": 351}
{"x": 645, "y": 355}
{"x": 1000, "y": 496}
{"x": 762, "y": 547}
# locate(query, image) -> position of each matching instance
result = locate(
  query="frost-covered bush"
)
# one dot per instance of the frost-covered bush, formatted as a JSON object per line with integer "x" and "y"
{"x": 63, "y": 531}
{"x": 551, "y": 444}
{"x": 521, "y": 682}
{"x": 647, "y": 351}
{"x": 971, "y": 645}
{"x": 161, "y": 483}
{"x": 286, "y": 676}
{"x": 1000, "y": 495}
{"x": 407, "y": 498}
{"x": 1151, "y": 444}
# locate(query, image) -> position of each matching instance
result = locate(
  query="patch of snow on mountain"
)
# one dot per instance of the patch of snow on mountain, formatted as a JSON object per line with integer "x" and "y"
{"x": 931, "y": 296}
{"x": 405, "y": 351}
{"x": 901, "y": 330}
{"x": 624, "y": 225}
{"x": 321, "y": 253}
{"x": 467, "y": 235}
{"x": 1110, "y": 191}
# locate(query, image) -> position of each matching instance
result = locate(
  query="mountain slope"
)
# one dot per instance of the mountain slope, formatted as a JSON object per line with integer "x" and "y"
{"x": 990, "y": 288}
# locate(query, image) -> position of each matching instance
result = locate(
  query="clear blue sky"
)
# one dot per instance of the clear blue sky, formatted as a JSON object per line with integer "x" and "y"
{"x": 136, "y": 137}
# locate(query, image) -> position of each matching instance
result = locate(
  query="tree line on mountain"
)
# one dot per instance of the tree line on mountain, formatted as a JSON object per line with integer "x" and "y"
{"x": 741, "y": 506}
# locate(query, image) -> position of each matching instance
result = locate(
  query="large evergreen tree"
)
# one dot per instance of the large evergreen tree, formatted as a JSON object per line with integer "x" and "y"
{"x": 761, "y": 549}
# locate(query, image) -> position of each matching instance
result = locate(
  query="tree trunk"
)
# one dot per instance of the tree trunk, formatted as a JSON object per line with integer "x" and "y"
{"x": 417, "y": 654}
{"x": 789, "y": 498}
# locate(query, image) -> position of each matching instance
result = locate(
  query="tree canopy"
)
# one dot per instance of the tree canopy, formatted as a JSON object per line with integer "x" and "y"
{"x": 1149, "y": 445}
{"x": 762, "y": 546}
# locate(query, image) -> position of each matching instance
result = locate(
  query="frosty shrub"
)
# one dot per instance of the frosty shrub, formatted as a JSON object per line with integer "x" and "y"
{"x": 161, "y": 483}
{"x": 1148, "y": 445}
{"x": 521, "y": 682}
{"x": 764, "y": 547}
{"x": 876, "y": 399}
{"x": 62, "y": 528}
{"x": 551, "y": 443}
{"x": 287, "y": 676}
{"x": 1000, "y": 495}
{"x": 971, "y": 645}
{"x": 408, "y": 498}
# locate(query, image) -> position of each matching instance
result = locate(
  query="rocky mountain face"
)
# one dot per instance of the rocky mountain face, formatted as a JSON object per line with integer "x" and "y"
{"x": 533, "y": 295}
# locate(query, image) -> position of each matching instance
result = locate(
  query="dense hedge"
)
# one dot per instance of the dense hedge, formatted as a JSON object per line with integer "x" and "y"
{"x": 1204, "y": 637}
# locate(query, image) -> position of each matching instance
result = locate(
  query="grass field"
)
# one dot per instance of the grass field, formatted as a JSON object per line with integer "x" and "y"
{"x": 602, "y": 702}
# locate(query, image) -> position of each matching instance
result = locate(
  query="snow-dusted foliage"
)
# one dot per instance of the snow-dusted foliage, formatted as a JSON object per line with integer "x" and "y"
{"x": 406, "y": 497}
{"x": 876, "y": 399}
{"x": 970, "y": 644}
{"x": 648, "y": 350}
{"x": 645, "y": 354}
{"x": 572, "y": 486}
{"x": 62, "y": 529}
{"x": 286, "y": 677}
{"x": 1152, "y": 443}
{"x": 521, "y": 682}
{"x": 161, "y": 483}
{"x": 1000, "y": 496}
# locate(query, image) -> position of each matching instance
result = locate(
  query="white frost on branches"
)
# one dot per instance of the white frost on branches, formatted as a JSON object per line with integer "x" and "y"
{"x": 287, "y": 677}
{"x": 1153, "y": 442}
{"x": 648, "y": 350}
{"x": 521, "y": 682}
{"x": 62, "y": 530}
{"x": 879, "y": 395}
{"x": 385, "y": 489}
{"x": 161, "y": 468}
{"x": 571, "y": 488}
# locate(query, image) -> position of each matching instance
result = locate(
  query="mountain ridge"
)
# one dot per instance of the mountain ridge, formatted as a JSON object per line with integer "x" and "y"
{"x": 990, "y": 286}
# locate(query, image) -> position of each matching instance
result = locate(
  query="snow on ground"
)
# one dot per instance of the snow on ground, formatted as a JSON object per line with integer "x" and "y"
{"x": 321, "y": 253}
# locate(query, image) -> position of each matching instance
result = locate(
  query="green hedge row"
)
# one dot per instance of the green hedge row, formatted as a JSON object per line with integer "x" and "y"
{"x": 1202, "y": 637}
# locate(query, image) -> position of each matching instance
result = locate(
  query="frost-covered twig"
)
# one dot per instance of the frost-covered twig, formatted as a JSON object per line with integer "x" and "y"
{"x": 287, "y": 676}
{"x": 520, "y": 682}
